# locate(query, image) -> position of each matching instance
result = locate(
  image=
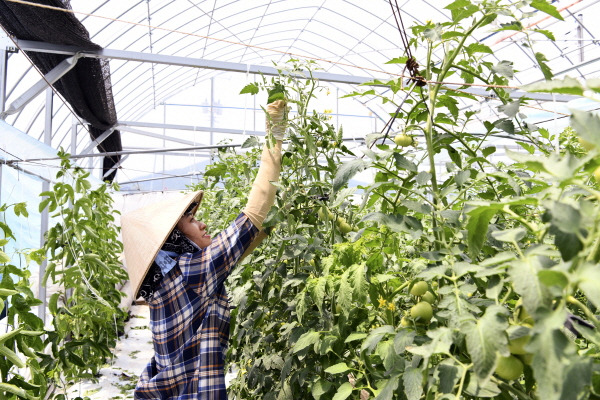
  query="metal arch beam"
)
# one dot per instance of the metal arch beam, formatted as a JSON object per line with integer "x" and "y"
{"x": 43, "y": 47}
{"x": 55, "y": 74}
{"x": 96, "y": 142}
{"x": 187, "y": 128}
{"x": 241, "y": 67}
{"x": 3, "y": 75}
{"x": 114, "y": 167}
{"x": 124, "y": 128}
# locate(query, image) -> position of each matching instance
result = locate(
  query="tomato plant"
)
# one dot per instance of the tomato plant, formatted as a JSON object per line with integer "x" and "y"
{"x": 21, "y": 344}
{"x": 82, "y": 250}
{"x": 476, "y": 283}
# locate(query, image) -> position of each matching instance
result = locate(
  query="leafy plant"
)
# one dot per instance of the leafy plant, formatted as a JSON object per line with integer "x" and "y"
{"x": 478, "y": 282}
{"x": 83, "y": 251}
{"x": 21, "y": 344}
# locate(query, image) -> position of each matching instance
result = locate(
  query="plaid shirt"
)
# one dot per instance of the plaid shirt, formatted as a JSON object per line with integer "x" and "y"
{"x": 190, "y": 321}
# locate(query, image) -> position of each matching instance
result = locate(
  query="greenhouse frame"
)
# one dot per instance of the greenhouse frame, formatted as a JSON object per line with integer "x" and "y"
{"x": 435, "y": 227}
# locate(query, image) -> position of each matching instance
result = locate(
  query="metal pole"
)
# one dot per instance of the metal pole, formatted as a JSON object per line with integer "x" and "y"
{"x": 44, "y": 216}
{"x": 117, "y": 153}
{"x": 337, "y": 108}
{"x": 580, "y": 36}
{"x": 3, "y": 68}
{"x": 254, "y": 109}
{"x": 164, "y": 157}
{"x": 74, "y": 124}
{"x": 212, "y": 108}
{"x": 91, "y": 166}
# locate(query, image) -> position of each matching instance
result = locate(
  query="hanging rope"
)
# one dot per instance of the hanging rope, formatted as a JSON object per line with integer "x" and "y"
{"x": 411, "y": 63}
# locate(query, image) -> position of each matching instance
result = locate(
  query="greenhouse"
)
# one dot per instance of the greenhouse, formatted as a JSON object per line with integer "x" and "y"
{"x": 317, "y": 199}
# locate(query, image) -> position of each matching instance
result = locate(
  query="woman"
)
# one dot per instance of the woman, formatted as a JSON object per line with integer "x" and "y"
{"x": 180, "y": 270}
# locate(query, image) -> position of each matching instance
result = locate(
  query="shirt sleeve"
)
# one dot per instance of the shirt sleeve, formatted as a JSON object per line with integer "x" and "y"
{"x": 205, "y": 270}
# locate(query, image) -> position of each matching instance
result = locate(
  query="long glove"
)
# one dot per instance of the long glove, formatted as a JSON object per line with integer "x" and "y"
{"x": 262, "y": 194}
{"x": 276, "y": 124}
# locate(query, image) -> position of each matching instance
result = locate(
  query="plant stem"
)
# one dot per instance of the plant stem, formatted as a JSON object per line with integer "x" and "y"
{"x": 462, "y": 380}
{"x": 511, "y": 389}
{"x": 572, "y": 300}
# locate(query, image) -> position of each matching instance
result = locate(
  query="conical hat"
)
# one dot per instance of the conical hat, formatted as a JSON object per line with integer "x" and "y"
{"x": 145, "y": 230}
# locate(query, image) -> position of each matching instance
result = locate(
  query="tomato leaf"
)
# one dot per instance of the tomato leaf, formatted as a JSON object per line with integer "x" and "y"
{"x": 478, "y": 48}
{"x": 360, "y": 284}
{"x": 511, "y": 109}
{"x": 337, "y": 368}
{"x": 307, "y": 339}
{"x": 403, "y": 163}
{"x": 448, "y": 374}
{"x": 567, "y": 85}
{"x": 478, "y": 390}
{"x": 355, "y": 336}
{"x": 588, "y": 277}
{"x": 553, "y": 353}
{"x": 344, "y": 298}
{"x": 251, "y": 88}
{"x": 320, "y": 387}
{"x": 524, "y": 275}
{"x": 397, "y": 223}
{"x": 346, "y": 172}
{"x": 477, "y": 227}
{"x": 301, "y": 305}
{"x": 545, "y": 7}
{"x": 317, "y": 291}
{"x": 504, "y": 68}
{"x": 388, "y": 388}
{"x": 375, "y": 337}
{"x": 403, "y": 339}
{"x": 587, "y": 125}
{"x": 541, "y": 60}
{"x": 4, "y": 258}
{"x": 553, "y": 278}
{"x": 484, "y": 338}
{"x": 413, "y": 383}
{"x": 343, "y": 391}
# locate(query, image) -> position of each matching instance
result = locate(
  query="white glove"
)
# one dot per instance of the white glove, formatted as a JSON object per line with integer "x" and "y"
{"x": 276, "y": 125}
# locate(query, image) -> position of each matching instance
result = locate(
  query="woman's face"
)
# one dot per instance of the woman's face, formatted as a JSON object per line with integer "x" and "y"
{"x": 194, "y": 230}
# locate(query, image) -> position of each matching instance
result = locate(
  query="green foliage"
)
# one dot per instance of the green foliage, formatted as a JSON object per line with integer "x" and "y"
{"x": 82, "y": 251}
{"x": 505, "y": 250}
{"x": 21, "y": 347}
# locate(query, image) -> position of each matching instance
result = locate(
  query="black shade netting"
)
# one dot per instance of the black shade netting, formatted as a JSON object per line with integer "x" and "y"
{"x": 86, "y": 87}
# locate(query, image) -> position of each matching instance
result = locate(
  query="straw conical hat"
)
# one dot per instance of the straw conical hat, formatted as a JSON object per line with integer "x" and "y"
{"x": 145, "y": 230}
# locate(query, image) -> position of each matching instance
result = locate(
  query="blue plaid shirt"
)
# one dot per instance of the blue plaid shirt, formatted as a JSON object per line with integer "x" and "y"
{"x": 190, "y": 321}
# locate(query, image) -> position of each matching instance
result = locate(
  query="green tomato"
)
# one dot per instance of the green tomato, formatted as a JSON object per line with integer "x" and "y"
{"x": 421, "y": 312}
{"x": 403, "y": 140}
{"x": 419, "y": 288}
{"x": 404, "y": 322}
{"x": 517, "y": 346}
{"x": 428, "y": 297}
{"x": 527, "y": 359}
{"x": 324, "y": 215}
{"x": 597, "y": 174}
{"x": 509, "y": 368}
{"x": 345, "y": 227}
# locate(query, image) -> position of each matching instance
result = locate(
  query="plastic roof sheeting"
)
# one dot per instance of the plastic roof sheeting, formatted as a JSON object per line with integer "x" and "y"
{"x": 348, "y": 37}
